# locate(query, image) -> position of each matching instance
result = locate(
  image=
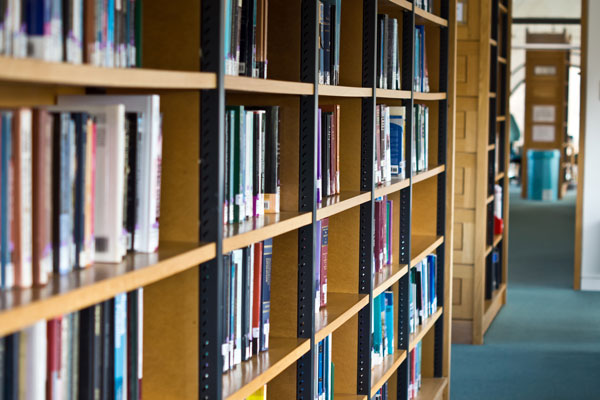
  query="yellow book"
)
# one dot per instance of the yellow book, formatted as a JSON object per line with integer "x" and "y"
{"x": 260, "y": 394}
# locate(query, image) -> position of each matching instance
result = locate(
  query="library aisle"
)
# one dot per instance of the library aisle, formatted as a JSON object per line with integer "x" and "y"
{"x": 545, "y": 342}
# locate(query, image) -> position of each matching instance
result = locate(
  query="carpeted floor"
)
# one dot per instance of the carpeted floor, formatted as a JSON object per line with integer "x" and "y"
{"x": 545, "y": 343}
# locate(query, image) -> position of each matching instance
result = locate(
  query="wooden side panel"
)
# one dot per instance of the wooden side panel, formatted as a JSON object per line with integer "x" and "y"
{"x": 467, "y": 129}
{"x": 464, "y": 236}
{"x": 467, "y": 74}
{"x": 462, "y": 290}
{"x": 465, "y": 180}
{"x": 469, "y": 29}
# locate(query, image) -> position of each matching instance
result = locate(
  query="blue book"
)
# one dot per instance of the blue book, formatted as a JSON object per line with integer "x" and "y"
{"x": 120, "y": 346}
{"x": 110, "y": 34}
{"x": 6, "y": 155}
{"x": 432, "y": 259}
{"x": 320, "y": 390}
{"x": 266, "y": 293}
{"x": 318, "y": 269}
{"x": 377, "y": 336}
{"x": 389, "y": 319}
{"x": 397, "y": 124}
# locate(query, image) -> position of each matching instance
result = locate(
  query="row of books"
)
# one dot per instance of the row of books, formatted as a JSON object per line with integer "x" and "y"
{"x": 388, "y": 57}
{"x": 390, "y": 157}
{"x": 383, "y": 327}
{"x": 79, "y": 183}
{"x": 321, "y": 267}
{"x": 252, "y": 186}
{"x": 324, "y": 370}
{"x": 328, "y": 151}
{"x": 426, "y": 5}
{"x": 421, "y": 77}
{"x": 384, "y": 217}
{"x": 246, "y": 37}
{"x": 420, "y": 139}
{"x": 414, "y": 367}
{"x": 422, "y": 297}
{"x": 95, "y": 353}
{"x": 330, "y": 14}
{"x": 382, "y": 393}
{"x": 100, "y": 32}
{"x": 247, "y": 302}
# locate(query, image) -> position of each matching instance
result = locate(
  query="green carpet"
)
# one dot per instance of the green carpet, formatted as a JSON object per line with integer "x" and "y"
{"x": 545, "y": 342}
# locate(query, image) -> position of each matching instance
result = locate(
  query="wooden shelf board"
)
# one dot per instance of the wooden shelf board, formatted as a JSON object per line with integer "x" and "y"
{"x": 492, "y": 306}
{"x": 492, "y": 95}
{"x": 255, "y": 85}
{"x": 344, "y": 91}
{"x": 497, "y": 239}
{"x": 501, "y": 60}
{"x": 422, "y": 176}
{"x": 382, "y": 372}
{"x": 422, "y": 330}
{"x": 427, "y": 17}
{"x": 387, "y": 276}
{"x": 429, "y": 96}
{"x": 339, "y": 309}
{"x": 499, "y": 176}
{"x": 42, "y": 72}
{"x": 251, "y": 375}
{"x": 489, "y": 199}
{"x": 345, "y": 396}
{"x": 423, "y": 245}
{"x": 488, "y": 250}
{"x": 20, "y": 308}
{"x": 491, "y": 147}
{"x": 493, "y": 42}
{"x": 432, "y": 389}
{"x": 264, "y": 227}
{"x": 392, "y": 186}
{"x": 501, "y": 118}
{"x": 404, "y": 4}
{"x": 392, "y": 94}
{"x": 341, "y": 202}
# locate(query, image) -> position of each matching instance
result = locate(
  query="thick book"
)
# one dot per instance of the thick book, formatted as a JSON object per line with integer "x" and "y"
{"x": 320, "y": 355}
{"x": 150, "y": 160}
{"x": 334, "y": 130}
{"x": 266, "y": 294}
{"x": 83, "y": 256}
{"x": 323, "y": 265}
{"x": 318, "y": 267}
{"x": 377, "y": 324}
{"x": 22, "y": 197}
{"x": 236, "y": 131}
{"x": 249, "y": 166}
{"x": 319, "y": 151}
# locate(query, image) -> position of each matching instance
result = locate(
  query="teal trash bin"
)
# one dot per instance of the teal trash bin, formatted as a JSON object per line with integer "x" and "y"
{"x": 542, "y": 174}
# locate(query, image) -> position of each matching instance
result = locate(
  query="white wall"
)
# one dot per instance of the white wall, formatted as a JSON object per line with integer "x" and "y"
{"x": 590, "y": 257}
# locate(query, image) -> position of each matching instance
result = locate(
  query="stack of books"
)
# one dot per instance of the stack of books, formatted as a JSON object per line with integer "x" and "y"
{"x": 330, "y": 14}
{"x": 423, "y": 294}
{"x": 390, "y": 150}
{"x": 93, "y": 353}
{"x": 388, "y": 57}
{"x": 383, "y": 327}
{"x": 104, "y": 33}
{"x": 79, "y": 183}
{"x": 421, "y": 78}
{"x": 324, "y": 370}
{"x": 252, "y": 186}
{"x": 328, "y": 152}
{"x": 420, "y": 139}
{"x": 247, "y": 302}
{"x": 384, "y": 217}
{"x": 246, "y": 37}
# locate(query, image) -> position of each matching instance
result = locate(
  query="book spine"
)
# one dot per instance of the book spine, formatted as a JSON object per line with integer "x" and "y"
{"x": 377, "y": 144}
{"x": 333, "y": 153}
{"x": 245, "y": 314}
{"x": 325, "y": 152}
{"x": 8, "y": 274}
{"x": 319, "y": 150}
{"x": 323, "y": 269}
{"x": 249, "y": 166}
{"x": 36, "y": 355}
{"x": 272, "y": 187}
{"x": 266, "y": 293}
{"x": 81, "y": 258}
{"x": 120, "y": 347}
{"x": 153, "y": 178}
{"x": 237, "y": 306}
{"x": 256, "y": 301}
{"x": 54, "y": 330}
{"x": 226, "y": 310}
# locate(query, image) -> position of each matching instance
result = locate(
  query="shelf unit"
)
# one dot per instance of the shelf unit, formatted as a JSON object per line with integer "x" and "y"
{"x": 546, "y": 105}
{"x": 482, "y": 126}
{"x": 182, "y": 296}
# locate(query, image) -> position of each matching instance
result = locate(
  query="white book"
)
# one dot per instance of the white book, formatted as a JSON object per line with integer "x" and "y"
{"x": 24, "y": 207}
{"x": 110, "y": 166}
{"x": 388, "y": 149}
{"x": 35, "y": 386}
{"x": 248, "y": 189}
{"x": 63, "y": 385}
{"x": 149, "y": 161}
{"x": 238, "y": 256}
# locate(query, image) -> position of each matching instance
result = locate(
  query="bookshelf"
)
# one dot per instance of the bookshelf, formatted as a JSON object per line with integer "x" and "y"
{"x": 482, "y": 143}
{"x": 183, "y": 303}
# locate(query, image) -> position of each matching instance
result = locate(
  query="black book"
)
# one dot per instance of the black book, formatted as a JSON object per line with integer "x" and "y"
{"x": 132, "y": 345}
{"x": 80, "y": 120}
{"x": 246, "y": 303}
{"x": 87, "y": 352}
{"x": 321, "y": 42}
{"x": 97, "y": 380}
{"x": 247, "y": 40}
{"x": 2, "y": 356}
{"x": 419, "y": 299}
{"x": 327, "y": 36}
{"x": 226, "y": 309}
{"x": 272, "y": 153}
{"x": 385, "y": 38}
{"x": 392, "y": 53}
{"x": 10, "y": 385}
{"x": 134, "y": 126}
{"x": 108, "y": 350}
{"x": 380, "y": 44}
{"x": 237, "y": 30}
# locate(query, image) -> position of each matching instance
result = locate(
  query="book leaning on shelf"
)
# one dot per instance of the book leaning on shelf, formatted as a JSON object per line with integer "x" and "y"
{"x": 93, "y": 353}
{"x": 252, "y": 186}
{"x": 247, "y": 302}
{"x": 423, "y": 293}
{"x": 388, "y": 59}
{"x": 324, "y": 370}
{"x": 104, "y": 33}
{"x": 330, "y": 14}
{"x": 390, "y": 142}
{"x": 78, "y": 184}
{"x": 246, "y": 23}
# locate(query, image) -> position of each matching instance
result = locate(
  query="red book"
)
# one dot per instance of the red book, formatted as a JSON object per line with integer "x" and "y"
{"x": 256, "y": 300}
{"x": 498, "y": 226}
{"x": 324, "y": 246}
{"x": 413, "y": 367}
{"x": 42, "y": 196}
{"x": 53, "y": 334}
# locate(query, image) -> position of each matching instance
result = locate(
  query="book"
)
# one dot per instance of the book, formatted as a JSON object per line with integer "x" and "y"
{"x": 120, "y": 346}
{"x": 266, "y": 294}
{"x": 397, "y": 142}
{"x": 257, "y": 296}
{"x": 323, "y": 265}
{"x": 8, "y": 274}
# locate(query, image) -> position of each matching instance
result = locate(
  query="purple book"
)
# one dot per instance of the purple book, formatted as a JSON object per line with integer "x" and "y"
{"x": 319, "y": 180}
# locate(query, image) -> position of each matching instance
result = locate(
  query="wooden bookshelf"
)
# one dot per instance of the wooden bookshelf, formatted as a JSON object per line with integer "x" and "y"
{"x": 183, "y": 281}
{"x": 482, "y": 155}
